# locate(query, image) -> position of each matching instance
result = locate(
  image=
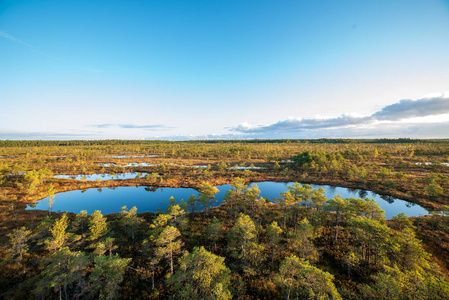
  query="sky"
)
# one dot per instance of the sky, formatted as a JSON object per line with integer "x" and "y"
{"x": 233, "y": 69}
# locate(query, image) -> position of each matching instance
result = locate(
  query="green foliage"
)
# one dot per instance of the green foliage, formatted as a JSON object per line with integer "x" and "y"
{"x": 107, "y": 275}
{"x": 201, "y": 275}
{"x": 392, "y": 283}
{"x": 176, "y": 212}
{"x": 192, "y": 203}
{"x": 207, "y": 194}
{"x": 301, "y": 193}
{"x": 168, "y": 244}
{"x": 97, "y": 226}
{"x": 433, "y": 189}
{"x": 371, "y": 238}
{"x": 59, "y": 234}
{"x": 63, "y": 269}
{"x": 213, "y": 231}
{"x": 299, "y": 279}
{"x": 409, "y": 253}
{"x": 302, "y": 158}
{"x": 18, "y": 242}
{"x": 274, "y": 233}
{"x": 80, "y": 220}
{"x": 300, "y": 242}
{"x": 130, "y": 219}
{"x": 241, "y": 241}
{"x": 35, "y": 178}
{"x": 401, "y": 221}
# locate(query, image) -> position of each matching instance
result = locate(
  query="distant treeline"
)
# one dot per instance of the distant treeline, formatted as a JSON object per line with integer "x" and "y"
{"x": 47, "y": 143}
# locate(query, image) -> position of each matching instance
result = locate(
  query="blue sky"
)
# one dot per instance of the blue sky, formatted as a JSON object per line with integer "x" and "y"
{"x": 223, "y": 69}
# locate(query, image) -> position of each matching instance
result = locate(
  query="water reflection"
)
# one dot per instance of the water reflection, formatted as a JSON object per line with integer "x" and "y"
{"x": 111, "y": 200}
{"x": 389, "y": 199}
{"x": 363, "y": 193}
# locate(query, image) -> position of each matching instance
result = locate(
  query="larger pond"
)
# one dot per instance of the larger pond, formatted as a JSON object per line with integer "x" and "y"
{"x": 110, "y": 200}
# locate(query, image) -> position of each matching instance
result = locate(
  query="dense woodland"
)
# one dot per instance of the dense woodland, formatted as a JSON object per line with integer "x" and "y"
{"x": 301, "y": 245}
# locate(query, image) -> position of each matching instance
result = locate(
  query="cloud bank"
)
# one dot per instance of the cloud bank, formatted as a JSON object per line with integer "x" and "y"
{"x": 403, "y": 110}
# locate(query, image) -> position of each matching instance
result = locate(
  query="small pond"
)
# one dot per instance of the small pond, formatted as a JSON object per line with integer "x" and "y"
{"x": 144, "y": 164}
{"x": 104, "y": 176}
{"x": 433, "y": 163}
{"x": 245, "y": 168}
{"x": 110, "y": 200}
{"x": 108, "y": 165}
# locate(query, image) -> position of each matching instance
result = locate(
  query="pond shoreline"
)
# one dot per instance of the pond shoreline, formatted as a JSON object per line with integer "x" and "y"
{"x": 182, "y": 181}
{"x": 268, "y": 191}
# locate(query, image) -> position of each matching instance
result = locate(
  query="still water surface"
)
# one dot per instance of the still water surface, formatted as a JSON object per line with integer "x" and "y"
{"x": 110, "y": 200}
{"x": 103, "y": 176}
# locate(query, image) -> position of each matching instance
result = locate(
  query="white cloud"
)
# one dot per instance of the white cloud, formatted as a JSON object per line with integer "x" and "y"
{"x": 404, "y": 110}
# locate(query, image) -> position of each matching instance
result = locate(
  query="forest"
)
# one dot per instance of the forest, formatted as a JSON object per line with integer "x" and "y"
{"x": 300, "y": 244}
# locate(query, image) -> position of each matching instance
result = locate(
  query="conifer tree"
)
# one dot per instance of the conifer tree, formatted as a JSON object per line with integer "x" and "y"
{"x": 300, "y": 241}
{"x": 168, "y": 244}
{"x": 80, "y": 220}
{"x": 207, "y": 194}
{"x": 339, "y": 206}
{"x": 63, "y": 269}
{"x": 240, "y": 237}
{"x": 201, "y": 275}
{"x": 18, "y": 242}
{"x": 274, "y": 233}
{"x": 59, "y": 234}
{"x": 130, "y": 219}
{"x": 213, "y": 232}
{"x": 97, "y": 226}
{"x": 51, "y": 197}
{"x": 301, "y": 280}
{"x": 107, "y": 275}
{"x": 192, "y": 203}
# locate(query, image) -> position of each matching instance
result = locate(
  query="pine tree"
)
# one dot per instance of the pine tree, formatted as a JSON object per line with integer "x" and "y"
{"x": 240, "y": 237}
{"x": 18, "y": 242}
{"x": 97, "y": 226}
{"x": 176, "y": 212}
{"x": 300, "y": 241}
{"x": 207, "y": 195}
{"x": 130, "y": 219}
{"x": 213, "y": 232}
{"x": 168, "y": 244}
{"x": 201, "y": 275}
{"x": 192, "y": 202}
{"x": 107, "y": 275}
{"x": 59, "y": 234}
{"x": 339, "y": 206}
{"x": 63, "y": 269}
{"x": 274, "y": 233}
{"x": 301, "y": 280}
{"x": 80, "y": 220}
{"x": 51, "y": 197}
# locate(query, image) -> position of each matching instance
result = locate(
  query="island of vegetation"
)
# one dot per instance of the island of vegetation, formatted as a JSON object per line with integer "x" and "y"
{"x": 299, "y": 245}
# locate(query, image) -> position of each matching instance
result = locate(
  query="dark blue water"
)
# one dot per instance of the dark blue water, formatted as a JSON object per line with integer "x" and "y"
{"x": 110, "y": 200}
